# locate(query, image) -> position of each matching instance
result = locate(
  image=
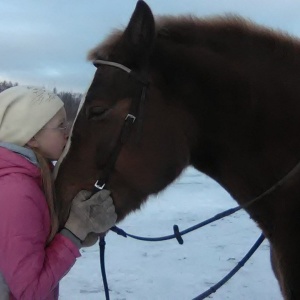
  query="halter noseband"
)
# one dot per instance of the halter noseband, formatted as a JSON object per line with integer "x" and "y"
{"x": 135, "y": 111}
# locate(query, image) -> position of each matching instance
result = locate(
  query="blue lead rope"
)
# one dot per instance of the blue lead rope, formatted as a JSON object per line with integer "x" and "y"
{"x": 102, "y": 265}
{"x": 177, "y": 235}
{"x": 240, "y": 264}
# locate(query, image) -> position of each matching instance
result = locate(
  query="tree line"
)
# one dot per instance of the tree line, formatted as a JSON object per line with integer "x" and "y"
{"x": 71, "y": 100}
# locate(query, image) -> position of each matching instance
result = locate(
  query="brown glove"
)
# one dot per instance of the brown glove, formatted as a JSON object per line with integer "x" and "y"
{"x": 91, "y": 213}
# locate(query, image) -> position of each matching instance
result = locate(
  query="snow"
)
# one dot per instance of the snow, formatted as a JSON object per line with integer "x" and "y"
{"x": 138, "y": 270}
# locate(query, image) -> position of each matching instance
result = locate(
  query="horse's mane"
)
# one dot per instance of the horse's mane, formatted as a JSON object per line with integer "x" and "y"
{"x": 192, "y": 29}
{"x": 214, "y": 31}
{"x": 219, "y": 32}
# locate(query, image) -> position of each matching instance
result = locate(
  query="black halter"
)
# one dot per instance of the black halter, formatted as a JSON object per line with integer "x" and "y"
{"x": 135, "y": 112}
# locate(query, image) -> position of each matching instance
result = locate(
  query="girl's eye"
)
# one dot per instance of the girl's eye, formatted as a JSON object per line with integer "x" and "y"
{"x": 96, "y": 112}
{"x": 62, "y": 126}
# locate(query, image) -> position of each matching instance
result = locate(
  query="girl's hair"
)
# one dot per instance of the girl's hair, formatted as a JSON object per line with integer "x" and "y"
{"x": 48, "y": 186}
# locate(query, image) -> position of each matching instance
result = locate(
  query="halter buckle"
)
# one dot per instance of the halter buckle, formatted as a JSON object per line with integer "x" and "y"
{"x": 132, "y": 117}
{"x": 99, "y": 187}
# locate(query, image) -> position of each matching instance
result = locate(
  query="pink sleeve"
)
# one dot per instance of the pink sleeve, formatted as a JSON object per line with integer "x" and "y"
{"x": 30, "y": 270}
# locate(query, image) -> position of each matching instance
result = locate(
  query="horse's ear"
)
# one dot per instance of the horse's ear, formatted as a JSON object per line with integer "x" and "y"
{"x": 139, "y": 34}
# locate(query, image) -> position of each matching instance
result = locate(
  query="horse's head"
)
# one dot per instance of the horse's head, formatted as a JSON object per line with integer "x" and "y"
{"x": 155, "y": 148}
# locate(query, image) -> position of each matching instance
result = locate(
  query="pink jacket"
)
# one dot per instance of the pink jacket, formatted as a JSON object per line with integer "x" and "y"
{"x": 30, "y": 269}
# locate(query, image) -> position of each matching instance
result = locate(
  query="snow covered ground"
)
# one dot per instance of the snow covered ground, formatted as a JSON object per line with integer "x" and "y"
{"x": 138, "y": 270}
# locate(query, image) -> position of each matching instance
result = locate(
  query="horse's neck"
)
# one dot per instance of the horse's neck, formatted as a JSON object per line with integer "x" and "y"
{"x": 248, "y": 136}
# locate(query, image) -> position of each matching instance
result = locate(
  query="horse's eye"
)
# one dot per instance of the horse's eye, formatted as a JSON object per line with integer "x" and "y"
{"x": 96, "y": 113}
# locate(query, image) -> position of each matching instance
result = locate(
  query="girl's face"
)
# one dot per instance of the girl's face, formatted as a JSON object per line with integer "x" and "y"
{"x": 51, "y": 139}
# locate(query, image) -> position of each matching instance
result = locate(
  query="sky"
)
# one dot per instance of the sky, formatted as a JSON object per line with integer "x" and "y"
{"x": 45, "y": 43}
{"x": 168, "y": 271}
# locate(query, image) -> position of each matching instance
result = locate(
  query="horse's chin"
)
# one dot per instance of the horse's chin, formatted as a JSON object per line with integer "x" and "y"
{"x": 126, "y": 205}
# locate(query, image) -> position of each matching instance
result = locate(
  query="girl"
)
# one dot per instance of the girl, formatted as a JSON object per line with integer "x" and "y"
{"x": 33, "y": 256}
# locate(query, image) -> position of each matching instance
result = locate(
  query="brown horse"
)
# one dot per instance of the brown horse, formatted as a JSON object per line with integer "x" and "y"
{"x": 222, "y": 95}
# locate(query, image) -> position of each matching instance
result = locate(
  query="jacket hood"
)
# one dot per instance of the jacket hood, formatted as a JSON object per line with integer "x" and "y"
{"x": 11, "y": 162}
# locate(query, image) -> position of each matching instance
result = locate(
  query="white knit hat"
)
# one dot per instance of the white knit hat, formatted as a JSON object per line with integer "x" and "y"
{"x": 24, "y": 111}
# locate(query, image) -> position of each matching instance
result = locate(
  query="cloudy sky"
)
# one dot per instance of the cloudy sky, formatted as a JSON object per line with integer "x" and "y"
{"x": 46, "y": 42}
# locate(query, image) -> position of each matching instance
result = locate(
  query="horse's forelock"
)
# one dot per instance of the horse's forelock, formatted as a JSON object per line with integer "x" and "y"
{"x": 103, "y": 49}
